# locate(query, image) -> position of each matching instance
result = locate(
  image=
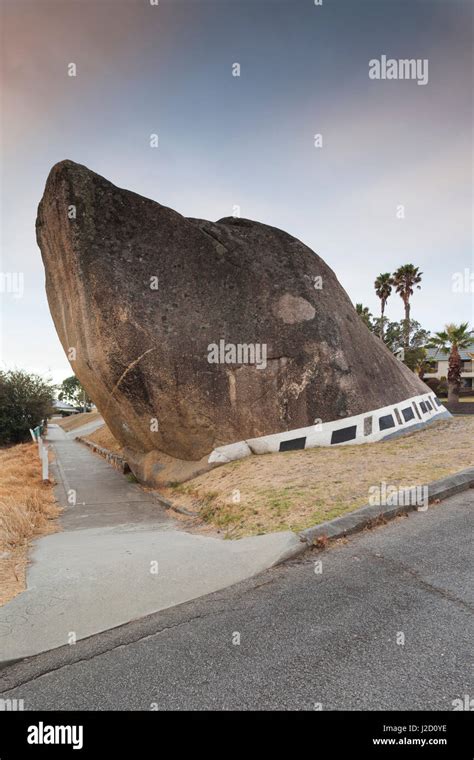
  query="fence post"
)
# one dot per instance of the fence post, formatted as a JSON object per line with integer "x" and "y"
{"x": 33, "y": 435}
{"x": 40, "y": 447}
{"x": 45, "y": 463}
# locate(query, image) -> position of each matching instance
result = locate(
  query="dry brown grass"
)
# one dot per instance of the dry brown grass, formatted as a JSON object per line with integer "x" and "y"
{"x": 296, "y": 489}
{"x": 77, "y": 420}
{"x": 103, "y": 437}
{"x": 27, "y": 510}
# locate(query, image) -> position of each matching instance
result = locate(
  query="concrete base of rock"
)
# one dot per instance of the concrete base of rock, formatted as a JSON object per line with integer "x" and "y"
{"x": 159, "y": 469}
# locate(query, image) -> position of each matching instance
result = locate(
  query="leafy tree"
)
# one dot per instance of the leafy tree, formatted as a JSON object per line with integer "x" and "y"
{"x": 451, "y": 340}
{"x": 25, "y": 401}
{"x": 365, "y": 315}
{"x": 405, "y": 279}
{"x": 415, "y": 355}
{"x": 424, "y": 363}
{"x": 395, "y": 335}
{"x": 417, "y": 360}
{"x": 72, "y": 391}
{"x": 383, "y": 288}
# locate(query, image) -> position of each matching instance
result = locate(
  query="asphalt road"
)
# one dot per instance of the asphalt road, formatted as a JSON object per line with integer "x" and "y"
{"x": 307, "y": 639}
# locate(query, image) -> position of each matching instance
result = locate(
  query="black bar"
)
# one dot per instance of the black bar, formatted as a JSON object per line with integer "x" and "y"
{"x": 135, "y": 734}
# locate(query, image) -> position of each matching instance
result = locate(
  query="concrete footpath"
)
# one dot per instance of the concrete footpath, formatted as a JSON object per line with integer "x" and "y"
{"x": 119, "y": 556}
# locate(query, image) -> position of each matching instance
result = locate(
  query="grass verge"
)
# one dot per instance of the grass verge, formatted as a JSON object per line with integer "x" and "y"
{"x": 297, "y": 489}
{"x": 103, "y": 437}
{"x": 77, "y": 420}
{"x": 27, "y": 509}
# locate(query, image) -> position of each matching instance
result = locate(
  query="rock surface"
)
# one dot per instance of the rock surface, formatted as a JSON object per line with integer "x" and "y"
{"x": 139, "y": 293}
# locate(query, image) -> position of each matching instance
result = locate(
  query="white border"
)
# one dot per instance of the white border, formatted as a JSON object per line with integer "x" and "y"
{"x": 320, "y": 435}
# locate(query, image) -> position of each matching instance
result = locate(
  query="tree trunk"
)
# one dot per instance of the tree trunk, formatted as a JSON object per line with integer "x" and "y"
{"x": 454, "y": 376}
{"x": 381, "y": 320}
{"x": 406, "y": 331}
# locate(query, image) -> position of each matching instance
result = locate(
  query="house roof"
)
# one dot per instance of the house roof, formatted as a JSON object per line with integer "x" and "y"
{"x": 465, "y": 353}
{"x": 62, "y": 405}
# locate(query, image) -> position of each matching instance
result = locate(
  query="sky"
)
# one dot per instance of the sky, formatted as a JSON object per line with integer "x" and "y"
{"x": 248, "y": 140}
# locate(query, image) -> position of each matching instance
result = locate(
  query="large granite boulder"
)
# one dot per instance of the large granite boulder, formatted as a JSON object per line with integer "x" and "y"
{"x": 189, "y": 334}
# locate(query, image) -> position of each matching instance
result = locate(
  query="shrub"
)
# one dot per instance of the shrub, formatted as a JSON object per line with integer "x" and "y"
{"x": 25, "y": 400}
{"x": 442, "y": 387}
{"x": 433, "y": 383}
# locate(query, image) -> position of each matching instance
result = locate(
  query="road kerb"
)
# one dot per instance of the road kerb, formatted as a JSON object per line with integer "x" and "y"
{"x": 370, "y": 516}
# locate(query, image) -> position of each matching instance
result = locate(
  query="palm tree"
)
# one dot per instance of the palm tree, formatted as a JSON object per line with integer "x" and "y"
{"x": 364, "y": 314}
{"x": 450, "y": 340}
{"x": 383, "y": 288}
{"x": 423, "y": 363}
{"x": 405, "y": 279}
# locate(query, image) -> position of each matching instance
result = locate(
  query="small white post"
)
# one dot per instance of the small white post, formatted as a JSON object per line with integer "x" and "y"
{"x": 40, "y": 447}
{"x": 33, "y": 435}
{"x": 45, "y": 462}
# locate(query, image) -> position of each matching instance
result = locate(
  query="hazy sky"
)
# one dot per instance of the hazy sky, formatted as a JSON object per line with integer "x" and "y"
{"x": 247, "y": 140}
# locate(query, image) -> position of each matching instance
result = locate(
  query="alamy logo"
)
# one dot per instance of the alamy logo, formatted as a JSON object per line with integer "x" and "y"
{"x": 463, "y": 282}
{"x": 11, "y": 705}
{"x": 463, "y": 704}
{"x": 394, "y": 496}
{"x": 42, "y": 734}
{"x": 12, "y": 282}
{"x": 237, "y": 353}
{"x": 404, "y": 68}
